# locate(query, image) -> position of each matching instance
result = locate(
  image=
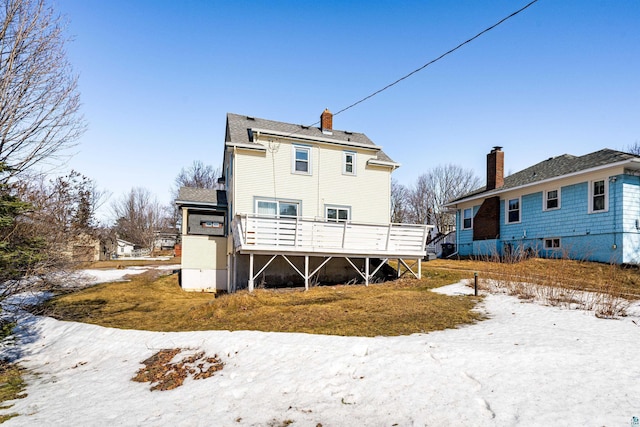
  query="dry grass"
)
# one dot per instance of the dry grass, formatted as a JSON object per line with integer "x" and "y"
{"x": 11, "y": 386}
{"x": 394, "y": 308}
{"x": 602, "y": 288}
{"x": 569, "y": 274}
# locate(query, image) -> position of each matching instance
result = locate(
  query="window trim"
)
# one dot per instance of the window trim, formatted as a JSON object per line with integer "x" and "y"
{"x": 464, "y": 218}
{"x": 294, "y": 160}
{"x": 338, "y": 208}
{"x": 546, "y": 199}
{"x": 549, "y": 243}
{"x": 506, "y": 210}
{"x": 353, "y": 163}
{"x": 592, "y": 196}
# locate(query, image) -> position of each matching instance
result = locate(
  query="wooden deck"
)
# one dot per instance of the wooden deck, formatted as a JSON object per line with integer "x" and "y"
{"x": 294, "y": 236}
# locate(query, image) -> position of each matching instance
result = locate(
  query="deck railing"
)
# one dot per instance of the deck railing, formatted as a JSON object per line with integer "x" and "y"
{"x": 260, "y": 232}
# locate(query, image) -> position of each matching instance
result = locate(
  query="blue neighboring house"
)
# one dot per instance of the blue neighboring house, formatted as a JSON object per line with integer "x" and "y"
{"x": 580, "y": 207}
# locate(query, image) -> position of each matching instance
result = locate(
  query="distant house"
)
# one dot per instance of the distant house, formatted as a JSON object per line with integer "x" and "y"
{"x": 165, "y": 239}
{"x": 124, "y": 248}
{"x": 97, "y": 245}
{"x": 581, "y": 207}
{"x": 300, "y": 204}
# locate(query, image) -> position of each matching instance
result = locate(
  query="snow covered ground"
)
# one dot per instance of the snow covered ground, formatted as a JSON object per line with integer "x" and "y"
{"x": 527, "y": 365}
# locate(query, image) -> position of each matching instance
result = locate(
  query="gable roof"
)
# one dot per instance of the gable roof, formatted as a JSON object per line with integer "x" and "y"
{"x": 240, "y": 133}
{"x": 557, "y": 167}
{"x": 201, "y": 197}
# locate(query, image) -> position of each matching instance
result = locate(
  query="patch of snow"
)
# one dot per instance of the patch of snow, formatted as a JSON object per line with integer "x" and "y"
{"x": 527, "y": 364}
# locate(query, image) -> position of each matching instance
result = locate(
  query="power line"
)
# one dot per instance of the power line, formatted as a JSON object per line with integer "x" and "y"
{"x": 486, "y": 30}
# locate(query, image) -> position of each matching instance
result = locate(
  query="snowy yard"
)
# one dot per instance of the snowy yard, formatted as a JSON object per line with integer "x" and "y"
{"x": 527, "y": 365}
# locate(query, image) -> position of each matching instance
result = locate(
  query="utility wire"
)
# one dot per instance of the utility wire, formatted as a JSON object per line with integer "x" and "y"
{"x": 486, "y": 30}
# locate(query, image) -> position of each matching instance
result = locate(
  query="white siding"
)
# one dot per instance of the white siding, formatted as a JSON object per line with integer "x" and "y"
{"x": 269, "y": 175}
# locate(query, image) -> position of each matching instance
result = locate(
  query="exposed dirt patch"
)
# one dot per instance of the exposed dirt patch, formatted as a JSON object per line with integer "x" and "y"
{"x": 164, "y": 374}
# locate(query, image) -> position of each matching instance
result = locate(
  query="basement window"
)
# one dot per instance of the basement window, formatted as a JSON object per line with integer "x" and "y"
{"x": 552, "y": 243}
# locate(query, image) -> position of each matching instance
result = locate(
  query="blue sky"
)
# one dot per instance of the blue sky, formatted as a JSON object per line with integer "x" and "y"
{"x": 158, "y": 77}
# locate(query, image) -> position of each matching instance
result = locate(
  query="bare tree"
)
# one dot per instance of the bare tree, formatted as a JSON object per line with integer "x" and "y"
{"x": 633, "y": 149}
{"x": 41, "y": 224}
{"x": 138, "y": 215}
{"x": 435, "y": 188}
{"x": 39, "y": 100}
{"x": 198, "y": 175}
{"x": 399, "y": 202}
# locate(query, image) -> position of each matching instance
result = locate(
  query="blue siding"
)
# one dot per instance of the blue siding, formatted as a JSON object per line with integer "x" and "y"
{"x": 631, "y": 218}
{"x": 611, "y": 236}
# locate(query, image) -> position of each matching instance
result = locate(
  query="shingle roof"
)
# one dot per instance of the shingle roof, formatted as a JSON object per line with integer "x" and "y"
{"x": 239, "y": 132}
{"x": 202, "y": 196}
{"x": 555, "y": 167}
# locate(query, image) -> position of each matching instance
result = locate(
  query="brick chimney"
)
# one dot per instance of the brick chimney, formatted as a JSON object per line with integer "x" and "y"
{"x": 495, "y": 169}
{"x": 326, "y": 121}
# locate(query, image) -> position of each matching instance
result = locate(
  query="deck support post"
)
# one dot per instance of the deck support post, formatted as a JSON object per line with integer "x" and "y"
{"x": 234, "y": 272}
{"x": 366, "y": 271}
{"x": 419, "y": 268}
{"x": 250, "y": 272}
{"x": 306, "y": 272}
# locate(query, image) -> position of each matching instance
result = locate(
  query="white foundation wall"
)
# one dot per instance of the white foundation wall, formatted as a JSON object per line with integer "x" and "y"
{"x": 203, "y": 280}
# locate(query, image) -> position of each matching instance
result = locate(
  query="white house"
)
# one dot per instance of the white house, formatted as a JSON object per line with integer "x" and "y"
{"x": 124, "y": 248}
{"x": 301, "y": 204}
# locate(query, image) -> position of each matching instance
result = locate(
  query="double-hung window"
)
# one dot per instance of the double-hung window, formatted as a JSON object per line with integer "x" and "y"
{"x": 301, "y": 160}
{"x": 513, "y": 211}
{"x": 598, "y": 191}
{"x": 551, "y": 200}
{"x": 337, "y": 213}
{"x": 349, "y": 163}
{"x": 467, "y": 219}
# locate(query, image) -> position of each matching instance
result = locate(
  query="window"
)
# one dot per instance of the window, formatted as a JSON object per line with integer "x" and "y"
{"x": 467, "y": 219}
{"x": 337, "y": 214}
{"x": 301, "y": 160}
{"x": 552, "y": 243}
{"x": 551, "y": 200}
{"x": 277, "y": 208}
{"x": 513, "y": 211}
{"x": 349, "y": 163}
{"x": 598, "y": 196}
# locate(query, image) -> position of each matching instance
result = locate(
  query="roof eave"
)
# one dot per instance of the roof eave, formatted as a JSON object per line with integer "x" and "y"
{"x": 297, "y": 136}
{"x": 249, "y": 146}
{"x": 375, "y": 162}
{"x": 484, "y": 195}
{"x": 195, "y": 203}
